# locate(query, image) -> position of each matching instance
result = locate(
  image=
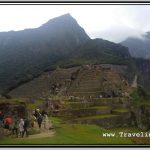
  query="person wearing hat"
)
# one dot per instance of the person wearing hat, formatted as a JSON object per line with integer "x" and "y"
{"x": 39, "y": 117}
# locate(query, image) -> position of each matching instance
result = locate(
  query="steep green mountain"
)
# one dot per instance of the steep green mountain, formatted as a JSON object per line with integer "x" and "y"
{"x": 100, "y": 51}
{"x": 139, "y": 47}
{"x": 27, "y": 53}
{"x": 59, "y": 42}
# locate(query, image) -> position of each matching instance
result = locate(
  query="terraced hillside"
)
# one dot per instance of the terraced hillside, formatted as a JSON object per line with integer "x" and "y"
{"x": 91, "y": 94}
{"x": 106, "y": 112}
{"x": 99, "y": 81}
{"x": 42, "y": 85}
{"x": 98, "y": 94}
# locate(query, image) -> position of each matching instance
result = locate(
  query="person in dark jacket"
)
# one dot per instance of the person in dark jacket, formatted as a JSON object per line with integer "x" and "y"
{"x": 15, "y": 127}
{"x": 26, "y": 125}
{"x": 39, "y": 118}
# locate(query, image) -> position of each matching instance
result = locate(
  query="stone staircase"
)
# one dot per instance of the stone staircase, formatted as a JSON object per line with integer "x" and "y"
{"x": 92, "y": 82}
{"x": 90, "y": 98}
{"x": 86, "y": 104}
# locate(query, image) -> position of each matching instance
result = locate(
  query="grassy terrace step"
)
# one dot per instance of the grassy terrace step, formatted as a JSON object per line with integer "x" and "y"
{"x": 97, "y": 117}
{"x": 95, "y": 107}
{"x": 114, "y": 99}
{"x": 89, "y": 81}
{"x": 104, "y": 120}
{"x": 89, "y": 89}
{"x": 87, "y": 94}
{"x": 84, "y": 88}
{"x": 120, "y": 111}
{"x": 91, "y": 77}
{"x": 86, "y": 84}
{"x": 96, "y": 90}
{"x": 82, "y": 104}
{"x": 116, "y": 102}
{"x": 89, "y": 111}
{"x": 93, "y": 100}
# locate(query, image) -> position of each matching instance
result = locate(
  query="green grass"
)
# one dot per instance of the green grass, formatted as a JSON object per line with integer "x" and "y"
{"x": 35, "y": 105}
{"x": 89, "y": 108}
{"x": 100, "y": 107}
{"x": 68, "y": 103}
{"x": 75, "y": 134}
{"x": 98, "y": 116}
{"x": 121, "y": 110}
{"x": 13, "y": 100}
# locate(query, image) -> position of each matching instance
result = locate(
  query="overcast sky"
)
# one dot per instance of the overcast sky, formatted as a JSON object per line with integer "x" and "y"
{"x": 111, "y": 22}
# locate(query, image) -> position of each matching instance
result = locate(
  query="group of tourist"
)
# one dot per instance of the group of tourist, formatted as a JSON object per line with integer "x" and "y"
{"x": 19, "y": 126}
{"x": 13, "y": 124}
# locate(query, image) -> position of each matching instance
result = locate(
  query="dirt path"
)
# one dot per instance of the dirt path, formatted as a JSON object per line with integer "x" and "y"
{"x": 43, "y": 134}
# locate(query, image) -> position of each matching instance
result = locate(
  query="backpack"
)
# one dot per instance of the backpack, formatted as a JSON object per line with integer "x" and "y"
{"x": 26, "y": 123}
{"x": 39, "y": 117}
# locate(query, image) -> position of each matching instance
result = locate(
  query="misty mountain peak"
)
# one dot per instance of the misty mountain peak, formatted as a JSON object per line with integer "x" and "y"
{"x": 61, "y": 20}
{"x": 139, "y": 47}
{"x": 147, "y": 35}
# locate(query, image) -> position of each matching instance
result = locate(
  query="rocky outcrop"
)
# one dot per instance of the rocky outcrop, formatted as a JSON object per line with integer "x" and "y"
{"x": 141, "y": 116}
{"x": 143, "y": 69}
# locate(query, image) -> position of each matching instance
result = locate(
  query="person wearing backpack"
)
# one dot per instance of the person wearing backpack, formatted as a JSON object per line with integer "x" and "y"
{"x": 39, "y": 118}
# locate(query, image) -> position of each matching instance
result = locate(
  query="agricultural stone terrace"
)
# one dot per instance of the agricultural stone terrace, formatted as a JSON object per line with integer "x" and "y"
{"x": 91, "y": 94}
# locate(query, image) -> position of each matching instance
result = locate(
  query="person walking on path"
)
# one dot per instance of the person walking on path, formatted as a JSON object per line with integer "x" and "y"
{"x": 39, "y": 118}
{"x": 45, "y": 121}
{"x": 26, "y": 125}
{"x": 15, "y": 127}
{"x": 21, "y": 127}
{"x": 7, "y": 122}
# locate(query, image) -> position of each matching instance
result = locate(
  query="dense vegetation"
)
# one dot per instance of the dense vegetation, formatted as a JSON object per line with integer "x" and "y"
{"x": 139, "y": 95}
